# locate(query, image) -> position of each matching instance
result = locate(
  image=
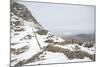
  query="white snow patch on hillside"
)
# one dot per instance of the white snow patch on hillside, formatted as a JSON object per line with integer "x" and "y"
{"x": 51, "y": 57}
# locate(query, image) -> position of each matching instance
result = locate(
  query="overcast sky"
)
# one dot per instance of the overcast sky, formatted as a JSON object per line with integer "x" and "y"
{"x": 75, "y": 19}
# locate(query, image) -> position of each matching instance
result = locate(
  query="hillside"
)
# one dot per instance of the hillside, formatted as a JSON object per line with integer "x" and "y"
{"x": 31, "y": 44}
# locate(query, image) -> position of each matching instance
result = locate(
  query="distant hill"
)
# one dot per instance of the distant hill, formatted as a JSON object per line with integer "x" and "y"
{"x": 82, "y": 37}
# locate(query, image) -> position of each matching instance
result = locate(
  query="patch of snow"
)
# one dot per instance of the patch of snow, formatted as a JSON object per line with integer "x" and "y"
{"x": 54, "y": 37}
{"x": 51, "y": 57}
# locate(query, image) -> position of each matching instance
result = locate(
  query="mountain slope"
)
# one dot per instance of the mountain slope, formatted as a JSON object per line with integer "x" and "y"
{"x": 32, "y": 44}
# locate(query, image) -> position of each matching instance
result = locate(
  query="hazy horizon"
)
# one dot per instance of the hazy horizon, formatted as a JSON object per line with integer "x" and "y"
{"x": 68, "y": 19}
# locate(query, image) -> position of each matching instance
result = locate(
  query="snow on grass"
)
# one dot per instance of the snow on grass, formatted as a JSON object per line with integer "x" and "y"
{"x": 80, "y": 60}
{"x": 31, "y": 43}
{"x": 33, "y": 49}
{"x": 67, "y": 46}
{"x": 54, "y": 37}
{"x": 89, "y": 50}
{"x": 72, "y": 47}
{"x": 19, "y": 45}
{"x": 51, "y": 57}
{"x": 41, "y": 39}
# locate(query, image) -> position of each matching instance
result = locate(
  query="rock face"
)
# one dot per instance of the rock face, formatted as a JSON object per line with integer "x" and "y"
{"x": 21, "y": 11}
{"x": 32, "y": 44}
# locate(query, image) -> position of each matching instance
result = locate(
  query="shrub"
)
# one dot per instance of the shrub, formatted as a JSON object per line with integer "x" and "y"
{"x": 16, "y": 33}
{"x": 88, "y": 45}
{"x": 20, "y": 63}
{"x": 80, "y": 43}
{"x": 65, "y": 42}
{"x": 27, "y": 37}
{"x": 19, "y": 50}
{"x": 42, "y": 32}
{"x": 19, "y": 29}
{"x": 49, "y": 41}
